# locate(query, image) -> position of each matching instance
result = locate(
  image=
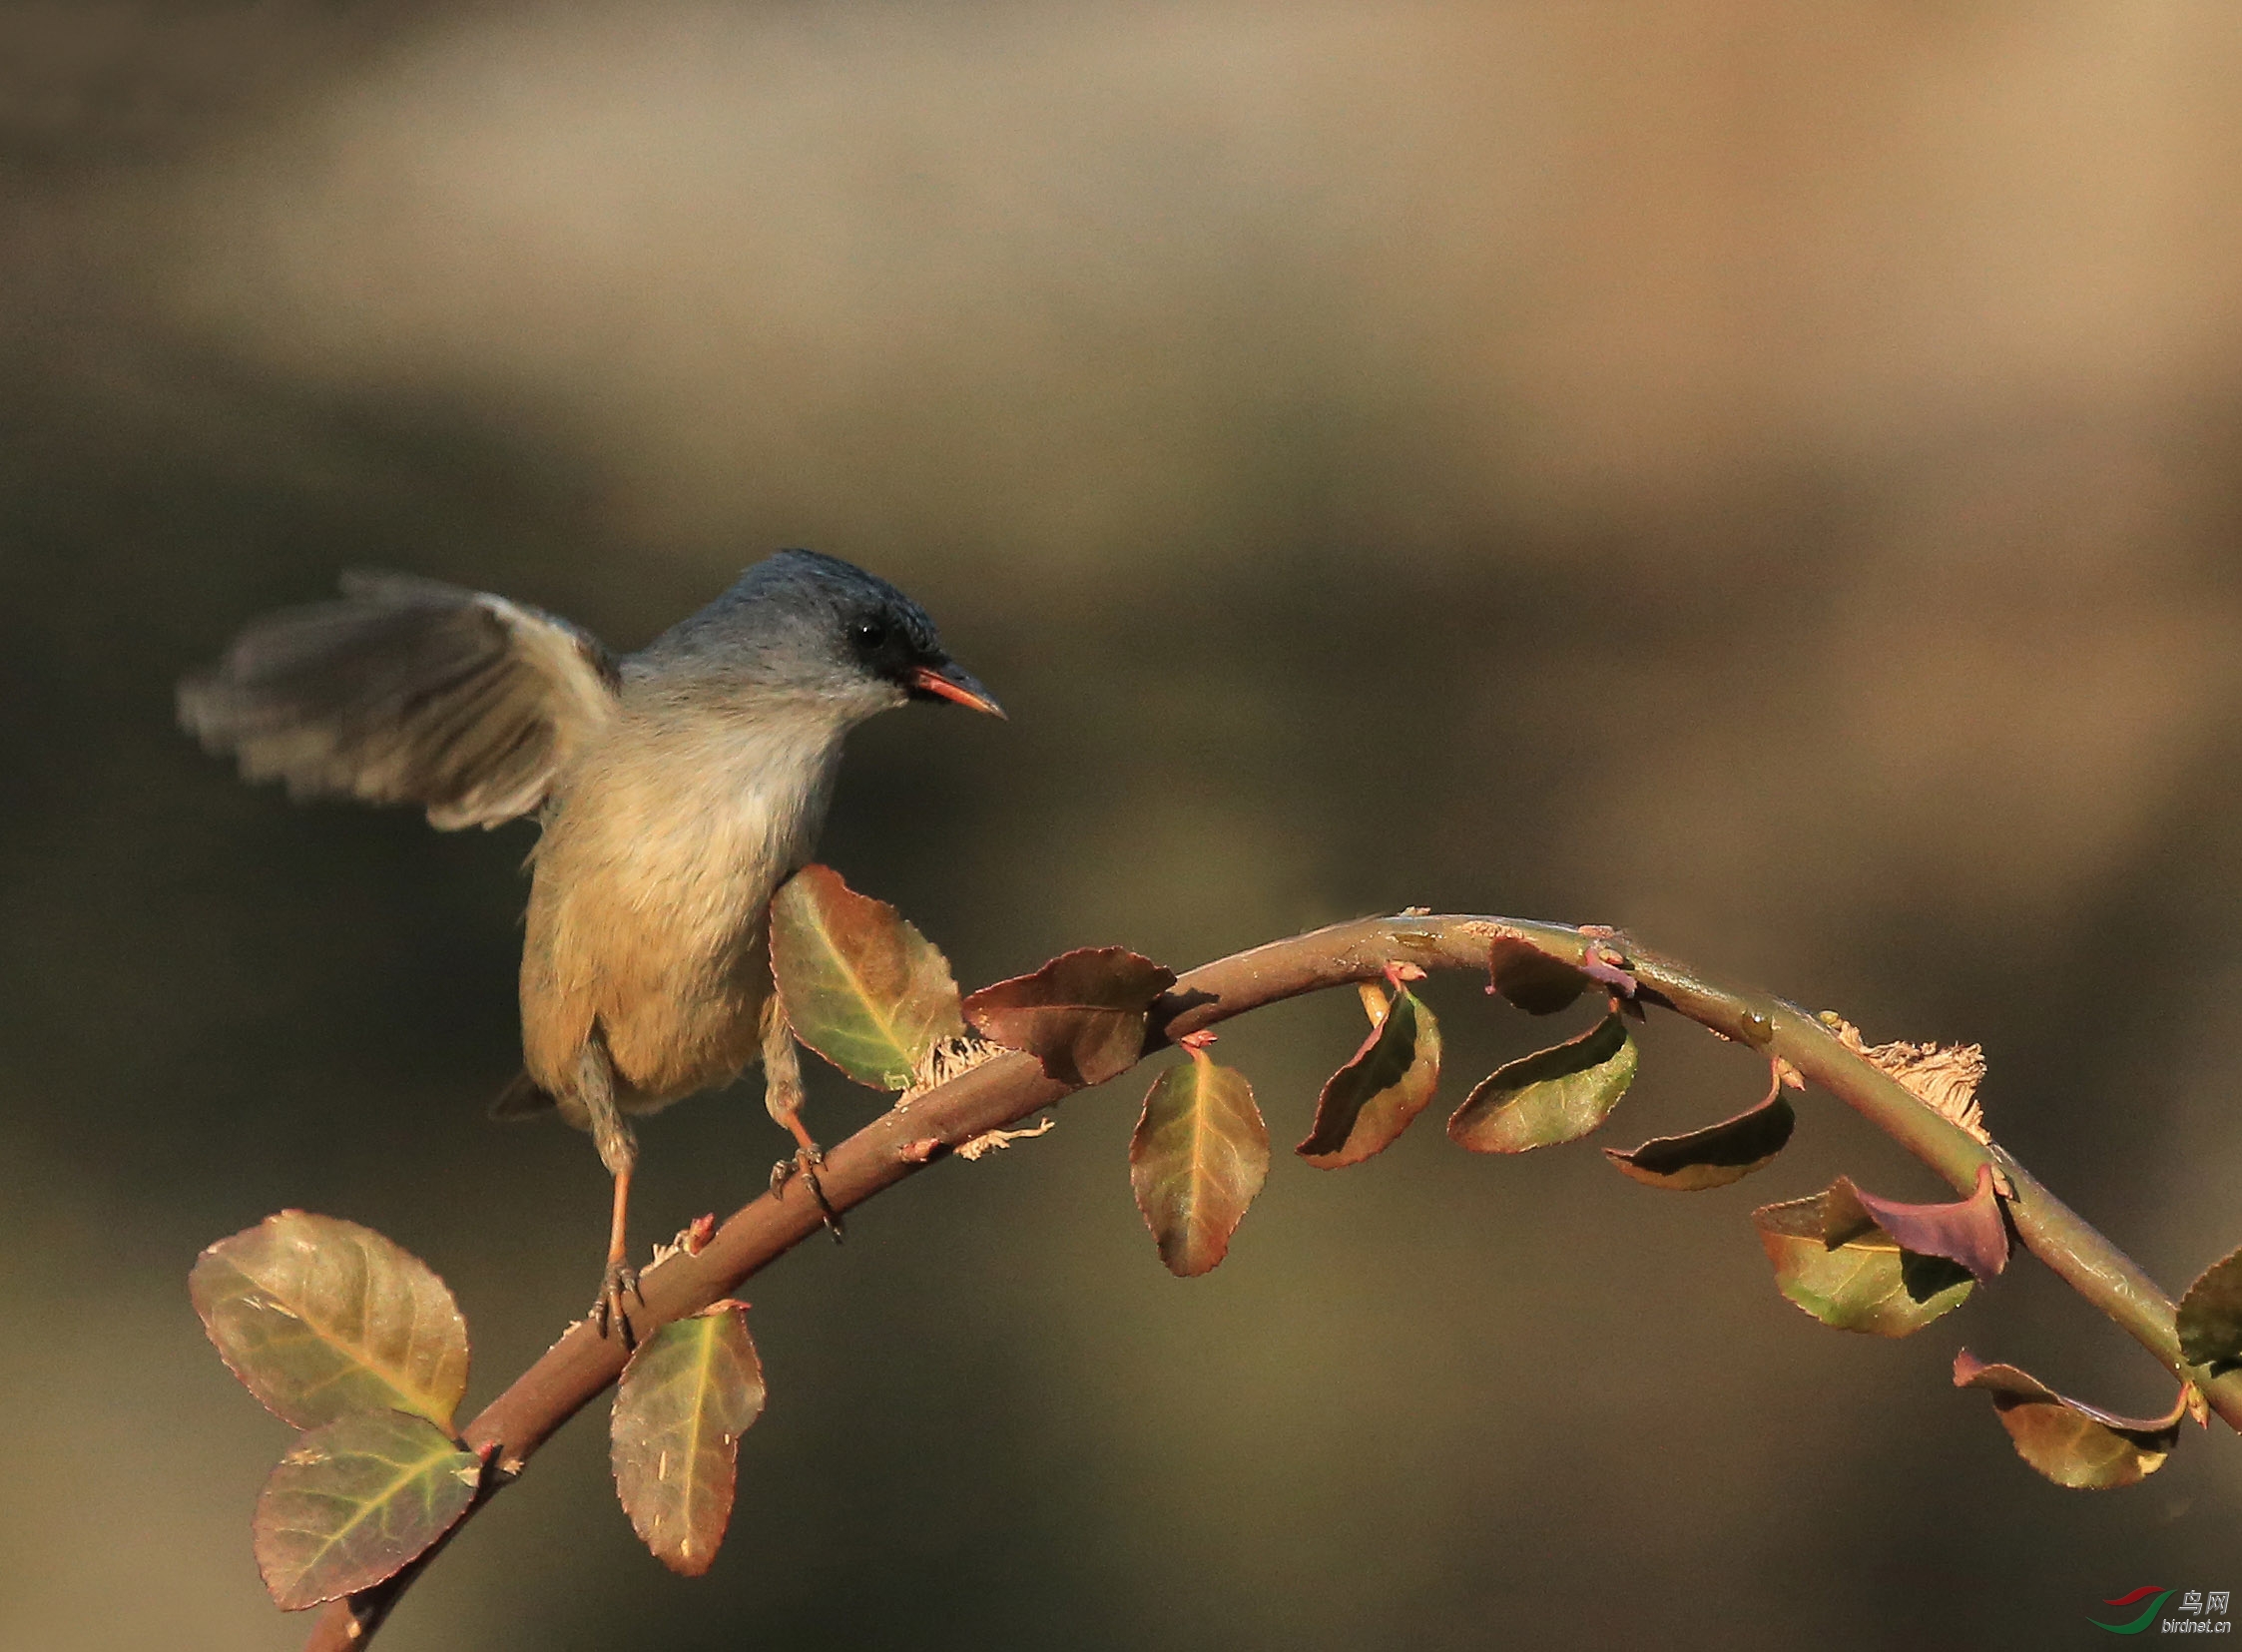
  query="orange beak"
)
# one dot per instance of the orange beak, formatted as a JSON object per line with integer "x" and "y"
{"x": 952, "y": 683}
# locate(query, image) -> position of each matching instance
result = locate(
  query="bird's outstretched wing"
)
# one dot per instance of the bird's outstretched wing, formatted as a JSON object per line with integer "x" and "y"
{"x": 408, "y": 691}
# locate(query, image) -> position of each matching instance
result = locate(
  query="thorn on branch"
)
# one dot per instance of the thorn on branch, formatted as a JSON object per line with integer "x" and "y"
{"x": 1604, "y": 963}
{"x": 691, "y": 1240}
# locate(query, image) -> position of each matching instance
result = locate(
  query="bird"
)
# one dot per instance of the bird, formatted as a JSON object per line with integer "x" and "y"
{"x": 675, "y": 789}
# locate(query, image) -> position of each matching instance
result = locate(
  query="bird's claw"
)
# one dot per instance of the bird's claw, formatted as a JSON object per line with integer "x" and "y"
{"x": 807, "y": 1160}
{"x": 607, "y": 1307}
{"x": 806, "y": 1163}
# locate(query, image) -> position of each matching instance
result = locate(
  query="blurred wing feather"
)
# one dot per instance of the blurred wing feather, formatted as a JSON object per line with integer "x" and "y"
{"x": 408, "y": 691}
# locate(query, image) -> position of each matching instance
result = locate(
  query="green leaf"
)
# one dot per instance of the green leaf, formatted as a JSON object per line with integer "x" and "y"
{"x": 320, "y": 1318}
{"x": 1199, "y": 1155}
{"x": 1371, "y": 1100}
{"x": 1082, "y": 1014}
{"x": 1851, "y": 1273}
{"x": 860, "y": 987}
{"x": 356, "y": 1499}
{"x": 1716, "y": 1155}
{"x": 684, "y": 1399}
{"x": 2069, "y": 1441}
{"x": 2210, "y": 1322}
{"x": 1554, "y": 1095}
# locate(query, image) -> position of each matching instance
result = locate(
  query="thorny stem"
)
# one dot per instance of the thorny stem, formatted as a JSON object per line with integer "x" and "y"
{"x": 580, "y": 1367}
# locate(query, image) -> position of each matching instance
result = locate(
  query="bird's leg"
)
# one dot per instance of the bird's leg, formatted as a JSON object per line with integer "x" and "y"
{"x": 618, "y": 1150}
{"x": 781, "y": 1094}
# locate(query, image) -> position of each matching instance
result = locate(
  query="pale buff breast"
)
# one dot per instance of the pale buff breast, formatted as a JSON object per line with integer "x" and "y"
{"x": 650, "y": 886}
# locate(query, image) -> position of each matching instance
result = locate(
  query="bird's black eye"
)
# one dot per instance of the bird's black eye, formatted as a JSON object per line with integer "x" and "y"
{"x": 868, "y": 634}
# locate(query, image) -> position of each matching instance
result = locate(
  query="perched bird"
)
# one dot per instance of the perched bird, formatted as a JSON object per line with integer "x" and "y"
{"x": 677, "y": 788}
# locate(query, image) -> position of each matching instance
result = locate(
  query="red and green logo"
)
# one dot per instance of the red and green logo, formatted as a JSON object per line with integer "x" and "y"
{"x": 2148, "y": 1612}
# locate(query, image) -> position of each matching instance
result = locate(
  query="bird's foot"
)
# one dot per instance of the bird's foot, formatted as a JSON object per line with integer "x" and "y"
{"x": 607, "y": 1308}
{"x": 809, "y": 1158}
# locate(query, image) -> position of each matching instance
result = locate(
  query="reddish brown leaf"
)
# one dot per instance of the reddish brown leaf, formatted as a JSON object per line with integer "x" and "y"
{"x": 355, "y": 1501}
{"x": 860, "y": 987}
{"x": 684, "y": 1399}
{"x": 320, "y": 1318}
{"x": 1082, "y": 1014}
{"x": 2069, "y": 1441}
{"x": 1716, "y": 1155}
{"x": 1970, "y": 1231}
{"x": 1199, "y": 1155}
{"x": 1371, "y": 1100}
{"x": 1530, "y": 978}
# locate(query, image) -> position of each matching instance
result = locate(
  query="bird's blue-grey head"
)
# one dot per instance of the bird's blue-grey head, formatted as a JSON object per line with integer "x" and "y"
{"x": 814, "y": 628}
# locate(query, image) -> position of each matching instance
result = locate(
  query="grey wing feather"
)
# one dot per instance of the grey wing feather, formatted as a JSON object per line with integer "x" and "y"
{"x": 408, "y": 691}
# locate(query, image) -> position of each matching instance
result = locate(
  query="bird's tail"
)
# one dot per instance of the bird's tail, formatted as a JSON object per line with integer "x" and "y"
{"x": 523, "y": 1098}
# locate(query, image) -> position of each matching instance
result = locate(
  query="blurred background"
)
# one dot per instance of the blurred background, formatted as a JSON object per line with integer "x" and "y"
{"x": 1766, "y": 476}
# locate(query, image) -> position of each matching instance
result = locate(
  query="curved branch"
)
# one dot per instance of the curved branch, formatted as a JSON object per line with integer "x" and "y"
{"x": 580, "y": 1367}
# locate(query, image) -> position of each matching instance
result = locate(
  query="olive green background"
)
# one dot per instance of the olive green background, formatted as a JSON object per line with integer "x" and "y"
{"x": 1769, "y": 478}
